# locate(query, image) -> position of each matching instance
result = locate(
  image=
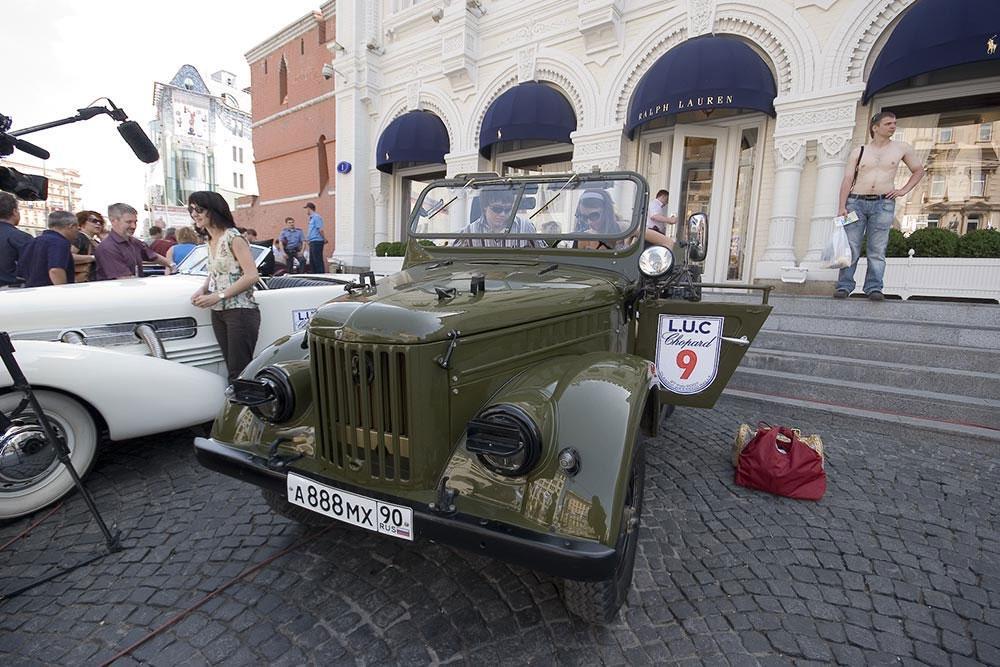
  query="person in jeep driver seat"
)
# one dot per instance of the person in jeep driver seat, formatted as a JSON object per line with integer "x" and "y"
{"x": 497, "y": 206}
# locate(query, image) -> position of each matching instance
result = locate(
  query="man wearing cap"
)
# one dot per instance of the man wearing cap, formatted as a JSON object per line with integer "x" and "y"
{"x": 317, "y": 239}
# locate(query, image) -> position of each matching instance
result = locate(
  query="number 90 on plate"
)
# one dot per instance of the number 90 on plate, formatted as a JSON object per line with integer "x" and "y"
{"x": 361, "y": 511}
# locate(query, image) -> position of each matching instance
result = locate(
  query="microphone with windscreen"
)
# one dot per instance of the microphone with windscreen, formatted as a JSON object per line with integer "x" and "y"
{"x": 137, "y": 140}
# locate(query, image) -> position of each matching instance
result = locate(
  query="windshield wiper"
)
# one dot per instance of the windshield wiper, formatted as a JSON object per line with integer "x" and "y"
{"x": 442, "y": 205}
{"x": 555, "y": 196}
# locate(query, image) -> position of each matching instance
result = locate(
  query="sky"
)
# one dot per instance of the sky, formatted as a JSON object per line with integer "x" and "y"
{"x": 58, "y": 56}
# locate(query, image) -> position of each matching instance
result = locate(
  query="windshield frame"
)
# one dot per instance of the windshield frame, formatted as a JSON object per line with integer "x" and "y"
{"x": 520, "y": 186}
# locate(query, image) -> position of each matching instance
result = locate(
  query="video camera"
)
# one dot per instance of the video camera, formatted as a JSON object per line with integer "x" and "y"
{"x": 30, "y": 187}
{"x": 27, "y": 187}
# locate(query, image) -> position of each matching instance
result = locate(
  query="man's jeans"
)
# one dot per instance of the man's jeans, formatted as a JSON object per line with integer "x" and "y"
{"x": 874, "y": 219}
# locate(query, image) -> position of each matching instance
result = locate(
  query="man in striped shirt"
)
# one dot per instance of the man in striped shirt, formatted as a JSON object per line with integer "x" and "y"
{"x": 497, "y": 206}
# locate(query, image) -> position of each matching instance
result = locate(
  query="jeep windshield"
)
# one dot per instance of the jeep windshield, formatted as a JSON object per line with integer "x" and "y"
{"x": 594, "y": 212}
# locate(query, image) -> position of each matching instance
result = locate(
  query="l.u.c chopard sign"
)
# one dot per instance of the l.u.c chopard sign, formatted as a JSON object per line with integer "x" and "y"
{"x": 686, "y": 104}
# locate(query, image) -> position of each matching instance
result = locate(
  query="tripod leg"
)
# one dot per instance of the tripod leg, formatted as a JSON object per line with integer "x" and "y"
{"x": 56, "y": 443}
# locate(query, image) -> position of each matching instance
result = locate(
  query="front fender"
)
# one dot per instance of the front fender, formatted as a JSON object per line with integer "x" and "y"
{"x": 593, "y": 403}
{"x": 135, "y": 395}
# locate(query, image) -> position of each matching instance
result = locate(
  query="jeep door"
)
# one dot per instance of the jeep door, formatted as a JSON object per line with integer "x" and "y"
{"x": 695, "y": 346}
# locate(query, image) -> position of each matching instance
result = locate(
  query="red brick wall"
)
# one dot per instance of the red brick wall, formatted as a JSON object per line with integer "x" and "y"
{"x": 286, "y": 150}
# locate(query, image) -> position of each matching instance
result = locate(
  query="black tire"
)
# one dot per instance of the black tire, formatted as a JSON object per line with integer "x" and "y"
{"x": 278, "y": 504}
{"x": 598, "y": 602}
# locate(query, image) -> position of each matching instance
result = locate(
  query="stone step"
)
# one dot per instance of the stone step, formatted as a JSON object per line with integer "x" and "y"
{"x": 912, "y": 402}
{"x": 907, "y": 422}
{"x": 889, "y": 351}
{"x": 952, "y": 382}
{"x": 902, "y": 331}
{"x": 952, "y": 313}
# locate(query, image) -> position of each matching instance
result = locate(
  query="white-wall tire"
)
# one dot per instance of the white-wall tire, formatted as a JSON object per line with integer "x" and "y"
{"x": 21, "y": 494}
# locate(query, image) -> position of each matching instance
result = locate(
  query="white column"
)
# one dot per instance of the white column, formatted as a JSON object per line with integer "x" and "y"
{"x": 357, "y": 91}
{"x": 599, "y": 148}
{"x": 789, "y": 158}
{"x": 832, "y": 150}
{"x": 380, "y": 186}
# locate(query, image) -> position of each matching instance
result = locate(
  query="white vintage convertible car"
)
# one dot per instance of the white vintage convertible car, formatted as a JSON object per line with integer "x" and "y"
{"x": 123, "y": 359}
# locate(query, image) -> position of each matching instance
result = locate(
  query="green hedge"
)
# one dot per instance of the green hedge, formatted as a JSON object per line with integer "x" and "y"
{"x": 396, "y": 248}
{"x": 980, "y": 243}
{"x": 933, "y": 242}
{"x": 897, "y": 244}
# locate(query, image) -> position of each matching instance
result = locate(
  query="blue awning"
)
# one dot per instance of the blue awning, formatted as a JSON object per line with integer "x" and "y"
{"x": 703, "y": 73}
{"x": 416, "y": 136}
{"x": 935, "y": 34}
{"x": 528, "y": 111}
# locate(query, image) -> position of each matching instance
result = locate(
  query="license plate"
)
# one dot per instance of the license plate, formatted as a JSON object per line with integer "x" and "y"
{"x": 361, "y": 511}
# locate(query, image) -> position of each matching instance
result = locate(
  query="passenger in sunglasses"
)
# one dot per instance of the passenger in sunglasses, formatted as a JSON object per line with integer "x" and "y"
{"x": 90, "y": 223}
{"x": 498, "y": 207}
{"x": 595, "y": 214}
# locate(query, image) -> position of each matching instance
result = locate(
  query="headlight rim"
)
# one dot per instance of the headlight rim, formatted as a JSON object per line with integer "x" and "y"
{"x": 531, "y": 433}
{"x": 284, "y": 394}
{"x": 644, "y": 261}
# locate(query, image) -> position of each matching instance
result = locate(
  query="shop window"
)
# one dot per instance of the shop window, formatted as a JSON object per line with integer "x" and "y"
{"x": 744, "y": 201}
{"x": 410, "y": 191}
{"x": 986, "y": 132}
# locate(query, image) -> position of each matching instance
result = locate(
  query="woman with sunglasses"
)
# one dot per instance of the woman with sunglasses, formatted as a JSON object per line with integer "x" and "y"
{"x": 595, "y": 214}
{"x": 228, "y": 288}
{"x": 91, "y": 223}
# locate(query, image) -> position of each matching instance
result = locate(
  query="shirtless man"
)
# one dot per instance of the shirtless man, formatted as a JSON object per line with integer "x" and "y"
{"x": 869, "y": 191}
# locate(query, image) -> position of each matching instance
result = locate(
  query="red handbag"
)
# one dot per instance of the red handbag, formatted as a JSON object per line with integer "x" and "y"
{"x": 776, "y": 461}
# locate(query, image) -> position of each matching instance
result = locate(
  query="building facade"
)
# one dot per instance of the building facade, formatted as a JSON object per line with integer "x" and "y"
{"x": 64, "y": 194}
{"x": 202, "y": 130}
{"x": 744, "y": 110}
{"x": 294, "y": 135}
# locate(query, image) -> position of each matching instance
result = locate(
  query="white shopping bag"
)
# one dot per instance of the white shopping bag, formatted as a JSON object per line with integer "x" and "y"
{"x": 837, "y": 254}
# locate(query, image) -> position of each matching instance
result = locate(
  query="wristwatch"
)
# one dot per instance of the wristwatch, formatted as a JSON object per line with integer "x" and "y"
{"x": 222, "y": 295}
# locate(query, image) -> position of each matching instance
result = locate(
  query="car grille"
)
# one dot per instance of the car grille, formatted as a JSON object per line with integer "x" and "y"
{"x": 362, "y": 403}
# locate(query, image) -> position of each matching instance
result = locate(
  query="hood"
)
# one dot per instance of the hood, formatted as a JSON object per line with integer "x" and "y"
{"x": 101, "y": 302}
{"x": 406, "y": 308}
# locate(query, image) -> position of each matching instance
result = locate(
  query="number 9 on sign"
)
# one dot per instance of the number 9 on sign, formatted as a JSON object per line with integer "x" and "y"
{"x": 686, "y": 361}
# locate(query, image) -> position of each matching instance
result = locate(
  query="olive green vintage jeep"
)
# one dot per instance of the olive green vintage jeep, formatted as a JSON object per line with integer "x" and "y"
{"x": 494, "y": 394}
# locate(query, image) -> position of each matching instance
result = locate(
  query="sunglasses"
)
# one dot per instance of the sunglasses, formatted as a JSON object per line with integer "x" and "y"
{"x": 498, "y": 209}
{"x": 593, "y": 216}
{"x": 95, "y": 221}
{"x": 192, "y": 209}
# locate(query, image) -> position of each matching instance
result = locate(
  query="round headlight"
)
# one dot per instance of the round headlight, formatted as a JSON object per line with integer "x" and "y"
{"x": 656, "y": 261}
{"x": 278, "y": 408}
{"x": 506, "y": 440}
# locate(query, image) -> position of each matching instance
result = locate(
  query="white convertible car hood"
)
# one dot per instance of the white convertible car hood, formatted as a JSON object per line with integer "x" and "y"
{"x": 100, "y": 302}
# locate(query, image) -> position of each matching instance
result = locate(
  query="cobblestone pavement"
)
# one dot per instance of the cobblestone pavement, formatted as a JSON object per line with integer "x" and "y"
{"x": 900, "y": 562}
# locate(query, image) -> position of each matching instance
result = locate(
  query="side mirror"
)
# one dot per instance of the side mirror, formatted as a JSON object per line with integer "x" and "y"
{"x": 697, "y": 236}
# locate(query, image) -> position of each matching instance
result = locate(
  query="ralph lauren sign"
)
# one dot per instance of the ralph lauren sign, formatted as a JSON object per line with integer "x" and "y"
{"x": 688, "y": 104}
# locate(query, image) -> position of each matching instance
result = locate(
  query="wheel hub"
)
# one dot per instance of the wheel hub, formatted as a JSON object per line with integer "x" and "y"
{"x": 25, "y": 455}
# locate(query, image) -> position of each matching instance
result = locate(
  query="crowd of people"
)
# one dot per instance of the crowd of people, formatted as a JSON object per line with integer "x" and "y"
{"x": 88, "y": 246}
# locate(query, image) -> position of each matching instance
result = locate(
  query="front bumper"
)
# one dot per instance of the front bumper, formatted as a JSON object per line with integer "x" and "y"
{"x": 565, "y": 557}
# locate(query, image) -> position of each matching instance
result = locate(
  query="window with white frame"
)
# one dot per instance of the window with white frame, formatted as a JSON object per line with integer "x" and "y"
{"x": 978, "y": 188}
{"x": 946, "y": 135}
{"x": 402, "y": 5}
{"x": 937, "y": 186}
{"x": 986, "y": 132}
